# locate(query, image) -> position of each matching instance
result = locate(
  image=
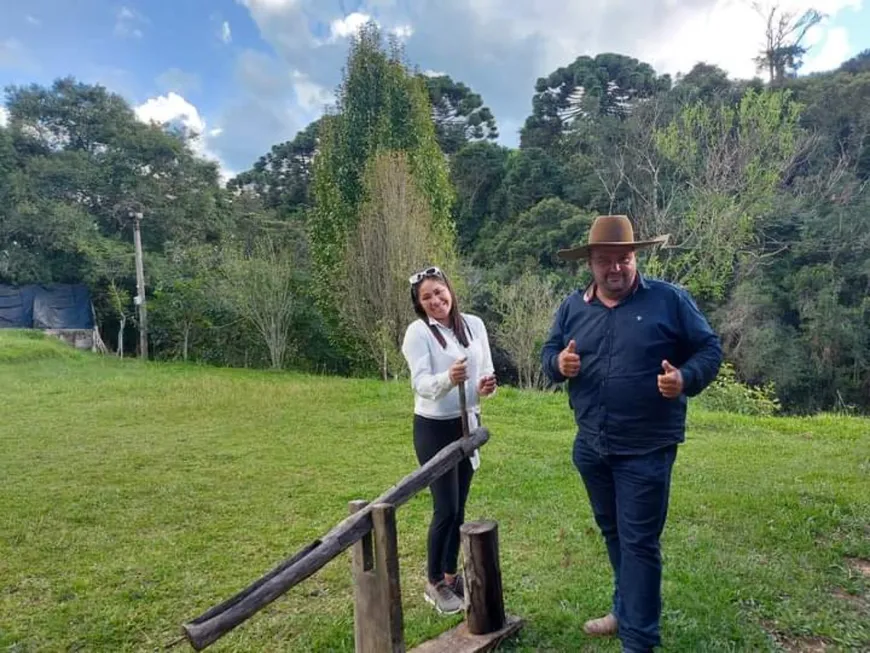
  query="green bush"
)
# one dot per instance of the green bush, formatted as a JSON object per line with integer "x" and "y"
{"x": 728, "y": 395}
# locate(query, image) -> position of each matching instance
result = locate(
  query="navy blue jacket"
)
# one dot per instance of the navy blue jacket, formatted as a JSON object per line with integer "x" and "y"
{"x": 615, "y": 397}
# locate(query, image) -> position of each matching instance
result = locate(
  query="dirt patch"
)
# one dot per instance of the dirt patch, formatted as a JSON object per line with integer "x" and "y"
{"x": 802, "y": 644}
{"x": 860, "y": 565}
{"x": 797, "y": 643}
{"x": 859, "y": 602}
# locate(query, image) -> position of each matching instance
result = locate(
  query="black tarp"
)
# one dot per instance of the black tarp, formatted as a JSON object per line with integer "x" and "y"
{"x": 46, "y": 306}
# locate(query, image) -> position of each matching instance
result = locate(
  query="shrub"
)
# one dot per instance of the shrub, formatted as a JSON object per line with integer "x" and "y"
{"x": 727, "y": 394}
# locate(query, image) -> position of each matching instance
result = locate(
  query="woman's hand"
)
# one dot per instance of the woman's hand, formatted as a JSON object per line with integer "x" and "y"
{"x": 458, "y": 372}
{"x": 486, "y": 385}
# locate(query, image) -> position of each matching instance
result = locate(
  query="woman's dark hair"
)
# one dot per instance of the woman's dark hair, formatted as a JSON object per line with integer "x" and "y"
{"x": 454, "y": 319}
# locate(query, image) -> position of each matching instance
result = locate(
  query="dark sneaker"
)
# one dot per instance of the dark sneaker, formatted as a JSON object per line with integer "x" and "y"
{"x": 442, "y": 597}
{"x": 458, "y": 586}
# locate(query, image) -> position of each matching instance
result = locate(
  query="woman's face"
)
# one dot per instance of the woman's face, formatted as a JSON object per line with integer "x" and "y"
{"x": 435, "y": 299}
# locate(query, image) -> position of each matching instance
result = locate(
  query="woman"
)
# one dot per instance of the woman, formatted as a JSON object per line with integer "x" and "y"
{"x": 445, "y": 348}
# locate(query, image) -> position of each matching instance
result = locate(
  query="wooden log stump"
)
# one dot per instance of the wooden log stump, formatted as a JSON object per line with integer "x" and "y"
{"x": 484, "y": 612}
{"x": 377, "y": 611}
{"x": 486, "y": 626}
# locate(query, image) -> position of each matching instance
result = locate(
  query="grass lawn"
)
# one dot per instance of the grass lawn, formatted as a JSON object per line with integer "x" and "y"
{"x": 135, "y": 496}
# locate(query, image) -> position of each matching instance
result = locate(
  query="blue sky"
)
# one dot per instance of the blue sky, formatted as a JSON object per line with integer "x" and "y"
{"x": 251, "y": 73}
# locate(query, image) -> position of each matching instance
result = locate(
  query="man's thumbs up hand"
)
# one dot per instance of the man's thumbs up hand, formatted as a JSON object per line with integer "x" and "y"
{"x": 569, "y": 361}
{"x": 671, "y": 382}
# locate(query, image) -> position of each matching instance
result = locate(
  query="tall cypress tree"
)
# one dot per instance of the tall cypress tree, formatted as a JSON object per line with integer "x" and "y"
{"x": 381, "y": 106}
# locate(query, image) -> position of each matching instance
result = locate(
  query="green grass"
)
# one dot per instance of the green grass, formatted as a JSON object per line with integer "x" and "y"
{"x": 135, "y": 496}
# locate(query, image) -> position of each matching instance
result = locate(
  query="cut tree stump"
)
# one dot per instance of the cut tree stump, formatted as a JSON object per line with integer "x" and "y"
{"x": 377, "y": 609}
{"x": 486, "y": 624}
{"x": 484, "y": 613}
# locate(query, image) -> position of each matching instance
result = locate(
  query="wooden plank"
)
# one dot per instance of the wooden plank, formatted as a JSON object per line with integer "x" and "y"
{"x": 485, "y": 604}
{"x": 216, "y": 622}
{"x": 459, "y": 640}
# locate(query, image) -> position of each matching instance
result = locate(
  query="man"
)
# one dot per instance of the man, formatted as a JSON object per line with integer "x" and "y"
{"x": 632, "y": 350}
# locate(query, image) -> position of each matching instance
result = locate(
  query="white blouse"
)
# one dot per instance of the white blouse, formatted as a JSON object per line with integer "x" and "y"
{"x": 434, "y": 395}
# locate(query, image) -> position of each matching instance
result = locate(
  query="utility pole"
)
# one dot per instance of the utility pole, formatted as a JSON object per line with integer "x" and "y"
{"x": 139, "y": 300}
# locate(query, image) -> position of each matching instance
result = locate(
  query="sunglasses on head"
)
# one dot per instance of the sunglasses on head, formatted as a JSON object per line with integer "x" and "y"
{"x": 417, "y": 277}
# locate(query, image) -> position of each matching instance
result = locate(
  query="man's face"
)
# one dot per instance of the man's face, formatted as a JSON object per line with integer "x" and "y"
{"x": 614, "y": 269}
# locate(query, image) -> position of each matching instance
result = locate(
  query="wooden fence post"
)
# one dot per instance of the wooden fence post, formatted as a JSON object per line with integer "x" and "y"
{"x": 378, "y": 620}
{"x": 361, "y": 562}
{"x": 483, "y": 590}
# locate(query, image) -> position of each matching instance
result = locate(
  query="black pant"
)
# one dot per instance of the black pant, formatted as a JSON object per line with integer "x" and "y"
{"x": 449, "y": 494}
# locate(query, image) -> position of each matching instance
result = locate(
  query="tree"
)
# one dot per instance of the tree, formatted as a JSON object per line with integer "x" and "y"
{"x": 730, "y": 161}
{"x": 835, "y": 112}
{"x": 476, "y": 172}
{"x": 394, "y": 237}
{"x": 84, "y": 147}
{"x": 182, "y": 309}
{"x": 381, "y": 106}
{"x": 606, "y": 85}
{"x": 784, "y": 34}
{"x": 526, "y": 307}
{"x": 459, "y": 114}
{"x": 119, "y": 299}
{"x": 704, "y": 82}
{"x": 860, "y": 63}
{"x": 531, "y": 239}
{"x": 111, "y": 260}
{"x": 531, "y": 174}
{"x": 282, "y": 176}
{"x": 261, "y": 288}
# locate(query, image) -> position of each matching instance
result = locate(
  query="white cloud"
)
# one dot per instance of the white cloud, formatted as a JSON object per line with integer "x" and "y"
{"x": 433, "y": 73}
{"x": 173, "y": 110}
{"x": 4, "y": 116}
{"x": 729, "y": 35}
{"x": 226, "y": 33}
{"x": 829, "y": 54}
{"x": 348, "y": 26}
{"x": 33, "y": 20}
{"x": 311, "y": 97}
{"x": 128, "y": 23}
{"x": 402, "y": 32}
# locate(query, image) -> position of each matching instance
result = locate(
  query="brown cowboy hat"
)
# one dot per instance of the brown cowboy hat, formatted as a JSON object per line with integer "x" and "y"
{"x": 609, "y": 230}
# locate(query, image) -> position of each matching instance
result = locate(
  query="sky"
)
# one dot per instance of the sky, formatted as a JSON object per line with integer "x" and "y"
{"x": 247, "y": 74}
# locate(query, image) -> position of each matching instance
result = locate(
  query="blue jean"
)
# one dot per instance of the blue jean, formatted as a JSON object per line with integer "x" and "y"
{"x": 629, "y": 499}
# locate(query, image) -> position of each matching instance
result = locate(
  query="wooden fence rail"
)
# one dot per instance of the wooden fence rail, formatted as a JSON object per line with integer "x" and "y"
{"x": 222, "y": 618}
